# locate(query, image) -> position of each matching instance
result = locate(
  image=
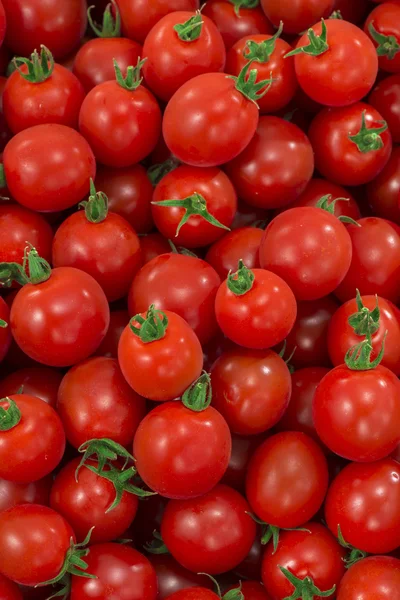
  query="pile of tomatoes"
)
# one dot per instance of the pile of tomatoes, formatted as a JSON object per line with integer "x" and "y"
{"x": 199, "y": 291}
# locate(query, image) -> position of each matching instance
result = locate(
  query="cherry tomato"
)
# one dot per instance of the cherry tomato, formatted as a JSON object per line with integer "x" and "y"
{"x": 383, "y": 192}
{"x": 353, "y": 11}
{"x": 5, "y": 330}
{"x": 109, "y": 345}
{"x": 172, "y": 577}
{"x": 152, "y": 245}
{"x": 41, "y": 382}
{"x": 298, "y": 15}
{"x": 211, "y": 534}
{"x": 242, "y": 243}
{"x": 276, "y": 166}
{"x": 196, "y": 593}
{"x": 252, "y": 590}
{"x": 2, "y": 23}
{"x": 37, "y": 492}
{"x": 247, "y": 215}
{"x": 382, "y": 26}
{"x": 374, "y": 578}
{"x": 148, "y": 520}
{"x": 243, "y": 448}
{"x": 9, "y": 590}
{"x": 292, "y": 466}
{"x": 250, "y": 567}
{"x": 385, "y": 97}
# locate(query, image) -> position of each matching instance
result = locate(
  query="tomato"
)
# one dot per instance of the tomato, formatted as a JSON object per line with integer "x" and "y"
{"x": 41, "y": 382}
{"x": 58, "y": 25}
{"x": 247, "y": 216}
{"x": 121, "y": 572}
{"x": 204, "y": 205}
{"x": 243, "y": 448}
{"x": 276, "y": 166}
{"x": 196, "y": 593}
{"x": 374, "y": 578}
{"x": 109, "y": 345}
{"x": 211, "y": 534}
{"x": 148, "y": 520}
{"x": 353, "y": 11}
{"x": 292, "y": 466}
{"x": 242, "y": 243}
{"x": 298, "y": 15}
{"x": 152, "y": 245}
{"x": 312, "y": 553}
{"x": 8, "y": 590}
{"x": 351, "y": 144}
{"x": 177, "y": 50}
{"x": 383, "y": 192}
{"x": 36, "y": 492}
{"x": 172, "y": 577}
{"x": 94, "y": 401}
{"x": 251, "y": 389}
{"x": 375, "y": 265}
{"x": 2, "y": 23}
{"x": 309, "y": 248}
{"x": 183, "y": 284}
{"x": 33, "y": 156}
{"x": 382, "y": 26}
{"x": 129, "y": 192}
{"x": 22, "y": 417}
{"x": 5, "y": 330}
{"x": 385, "y": 97}
{"x": 252, "y": 590}
{"x": 163, "y": 367}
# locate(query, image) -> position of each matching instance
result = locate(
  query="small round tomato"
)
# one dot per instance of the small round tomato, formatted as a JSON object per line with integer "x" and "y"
{"x": 242, "y": 243}
{"x": 5, "y": 330}
{"x": 152, "y": 245}
{"x": 211, "y": 534}
{"x": 292, "y": 466}
{"x": 373, "y": 578}
{"x": 275, "y": 167}
{"x": 385, "y": 97}
{"x": 9, "y": 590}
{"x": 382, "y": 26}
{"x": 172, "y": 577}
{"x": 194, "y": 593}
{"x": 353, "y": 11}
{"x": 351, "y": 144}
{"x": 383, "y": 192}
{"x": 298, "y": 15}
{"x": 109, "y": 345}
{"x": 36, "y": 492}
{"x": 251, "y": 590}
{"x": 41, "y": 382}
{"x": 243, "y": 448}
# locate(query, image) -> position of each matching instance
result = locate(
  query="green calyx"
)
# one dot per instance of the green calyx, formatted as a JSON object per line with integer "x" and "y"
{"x": 246, "y": 83}
{"x": 96, "y": 207}
{"x": 354, "y": 554}
{"x": 3, "y": 324}
{"x": 181, "y": 250}
{"x": 198, "y": 396}
{"x": 328, "y": 204}
{"x": 261, "y": 52}
{"x": 111, "y": 26}
{"x": 133, "y": 78}
{"x": 194, "y": 205}
{"x": 304, "y": 589}
{"x": 366, "y": 139}
{"x": 10, "y": 417}
{"x": 388, "y": 45}
{"x": 190, "y": 30}
{"x": 156, "y": 546}
{"x": 156, "y": 172}
{"x": 318, "y": 43}
{"x": 152, "y": 328}
{"x": 40, "y": 67}
{"x": 235, "y": 594}
{"x": 281, "y": 353}
{"x": 238, "y": 4}
{"x": 242, "y": 281}
{"x": 364, "y": 321}
{"x": 105, "y": 451}
{"x": 271, "y": 532}
{"x": 336, "y": 15}
{"x": 38, "y": 268}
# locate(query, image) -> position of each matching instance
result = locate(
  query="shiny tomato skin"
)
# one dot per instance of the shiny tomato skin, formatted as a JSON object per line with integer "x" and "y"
{"x": 196, "y": 593}
{"x": 385, "y": 97}
{"x": 34, "y": 153}
{"x": 251, "y": 389}
{"x": 121, "y": 572}
{"x": 242, "y": 243}
{"x": 172, "y": 61}
{"x": 385, "y": 19}
{"x": 109, "y": 345}
{"x": 276, "y": 166}
{"x": 9, "y": 590}
{"x": 364, "y": 500}
{"x": 383, "y": 192}
{"x": 5, "y": 332}
{"x": 94, "y": 401}
{"x": 41, "y": 382}
{"x": 298, "y": 15}
{"x": 152, "y": 245}
{"x": 292, "y": 465}
{"x": 211, "y": 534}
{"x": 338, "y": 158}
{"x": 172, "y": 577}
{"x": 34, "y": 540}
{"x": 163, "y": 369}
{"x": 38, "y": 455}
{"x": 373, "y": 578}
{"x": 166, "y": 448}
{"x": 36, "y": 492}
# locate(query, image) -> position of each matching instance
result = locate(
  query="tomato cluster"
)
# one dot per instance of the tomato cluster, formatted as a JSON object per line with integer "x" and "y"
{"x": 200, "y": 300}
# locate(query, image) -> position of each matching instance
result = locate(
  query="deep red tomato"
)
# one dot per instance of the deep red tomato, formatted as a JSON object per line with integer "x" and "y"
{"x": 243, "y": 448}
{"x": 351, "y": 144}
{"x": 5, "y": 329}
{"x": 37, "y": 492}
{"x": 172, "y": 577}
{"x": 385, "y": 97}
{"x": 251, "y": 389}
{"x": 121, "y": 572}
{"x": 183, "y": 284}
{"x": 247, "y": 215}
{"x": 353, "y": 11}
{"x": 152, "y": 245}
{"x": 292, "y": 466}
{"x": 383, "y": 27}
{"x": 211, "y": 534}
{"x": 23, "y": 417}
{"x": 177, "y": 50}
{"x": 250, "y": 567}
{"x": 196, "y": 593}
{"x": 204, "y": 196}
{"x": 313, "y": 554}
{"x": 94, "y": 401}
{"x": 33, "y": 156}
{"x": 375, "y": 265}
{"x": 242, "y": 243}
{"x": 9, "y": 590}
{"x": 252, "y": 590}
{"x": 275, "y": 167}
{"x": 41, "y": 382}
{"x": 364, "y": 501}
{"x": 298, "y": 15}
{"x": 109, "y": 345}
{"x": 309, "y": 248}
{"x": 2, "y": 23}
{"x": 58, "y": 25}
{"x": 383, "y": 192}
{"x": 374, "y": 578}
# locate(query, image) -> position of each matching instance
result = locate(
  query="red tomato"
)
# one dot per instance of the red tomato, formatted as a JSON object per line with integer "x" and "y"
{"x": 23, "y": 417}
{"x": 161, "y": 369}
{"x": 243, "y": 448}
{"x": 121, "y": 572}
{"x": 298, "y": 15}
{"x": 351, "y": 144}
{"x": 48, "y": 167}
{"x": 196, "y": 593}
{"x": 5, "y": 330}
{"x": 251, "y": 389}
{"x": 383, "y": 27}
{"x": 37, "y": 492}
{"x": 250, "y": 567}
{"x": 109, "y": 345}
{"x": 177, "y": 50}
{"x": 9, "y": 590}
{"x": 206, "y": 197}
{"x": 385, "y": 97}
{"x": 364, "y": 501}
{"x": 152, "y": 245}
{"x": 41, "y": 382}
{"x": 94, "y": 401}
{"x": 252, "y": 590}
{"x": 309, "y": 248}
{"x": 353, "y": 11}
{"x": 242, "y": 243}
{"x": 292, "y": 466}
{"x": 276, "y": 166}
{"x": 2, "y": 23}
{"x": 374, "y": 578}
{"x": 172, "y": 577}
{"x": 211, "y": 534}
{"x": 383, "y": 192}
{"x": 247, "y": 215}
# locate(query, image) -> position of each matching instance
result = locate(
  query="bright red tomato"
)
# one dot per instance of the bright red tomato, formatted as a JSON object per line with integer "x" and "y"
{"x": 374, "y": 578}
{"x": 5, "y": 329}
{"x": 109, "y": 345}
{"x": 9, "y": 590}
{"x": 211, "y": 534}
{"x": 242, "y": 243}
{"x": 41, "y": 382}
{"x": 172, "y": 577}
{"x": 275, "y": 167}
{"x": 385, "y": 97}
{"x": 383, "y": 192}
{"x": 37, "y": 492}
{"x": 383, "y": 28}
{"x": 298, "y": 15}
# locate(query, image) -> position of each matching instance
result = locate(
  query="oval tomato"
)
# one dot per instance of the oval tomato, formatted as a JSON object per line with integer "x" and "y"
{"x": 297, "y": 16}
{"x": 242, "y": 243}
{"x": 374, "y": 578}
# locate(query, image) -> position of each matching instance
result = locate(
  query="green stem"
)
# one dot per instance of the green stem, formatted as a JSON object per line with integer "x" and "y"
{"x": 305, "y": 589}
{"x": 261, "y": 52}
{"x": 336, "y": 15}
{"x": 246, "y": 83}
{"x": 11, "y": 417}
{"x": 388, "y": 45}
{"x": 96, "y": 207}
{"x": 242, "y": 281}
{"x": 156, "y": 546}
{"x": 368, "y": 140}
{"x": 181, "y": 250}
{"x": 133, "y": 79}
{"x": 40, "y": 67}
{"x": 152, "y": 328}
{"x": 198, "y": 396}
{"x": 38, "y": 268}
{"x": 238, "y": 4}
{"x": 190, "y": 31}
{"x": 111, "y": 27}
{"x": 328, "y": 204}
{"x": 156, "y": 172}
{"x": 318, "y": 43}
{"x": 3, "y": 324}
{"x": 354, "y": 554}
{"x": 364, "y": 321}
{"x": 105, "y": 451}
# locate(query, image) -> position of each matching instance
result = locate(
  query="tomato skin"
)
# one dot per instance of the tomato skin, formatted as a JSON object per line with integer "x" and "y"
{"x": 373, "y": 578}
{"x": 37, "y": 492}
{"x": 211, "y": 534}
{"x": 33, "y": 154}
{"x": 161, "y": 370}
{"x": 183, "y": 284}
{"x": 197, "y": 593}
{"x": 251, "y": 389}
{"x": 242, "y": 243}
{"x": 9, "y": 590}
{"x": 172, "y": 61}
{"x": 94, "y": 401}
{"x": 292, "y": 465}
{"x": 172, "y": 577}
{"x": 213, "y": 185}
{"x": 252, "y": 590}
{"x": 276, "y": 166}
{"x": 41, "y": 382}
{"x": 338, "y": 158}
{"x": 243, "y": 447}
{"x": 152, "y": 245}
{"x": 385, "y": 19}
{"x": 383, "y": 192}
{"x": 109, "y": 345}
{"x": 121, "y": 572}
{"x": 385, "y": 97}
{"x": 299, "y": 15}
{"x": 354, "y": 11}
{"x": 5, "y": 332}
